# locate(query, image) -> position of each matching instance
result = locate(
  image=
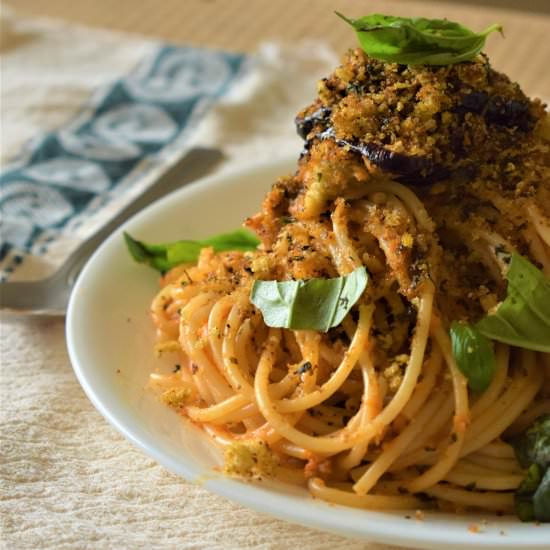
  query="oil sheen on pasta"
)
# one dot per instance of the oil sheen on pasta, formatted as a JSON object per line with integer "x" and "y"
{"x": 424, "y": 175}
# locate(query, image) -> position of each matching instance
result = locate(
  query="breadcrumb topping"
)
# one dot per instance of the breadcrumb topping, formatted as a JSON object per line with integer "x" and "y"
{"x": 176, "y": 397}
{"x": 249, "y": 459}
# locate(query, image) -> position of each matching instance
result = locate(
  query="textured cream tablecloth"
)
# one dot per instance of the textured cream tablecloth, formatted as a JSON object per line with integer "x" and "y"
{"x": 69, "y": 480}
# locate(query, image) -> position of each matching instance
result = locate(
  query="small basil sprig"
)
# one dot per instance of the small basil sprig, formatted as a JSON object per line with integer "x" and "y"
{"x": 418, "y": 41}
{"x": 311, "y": 304}
{"x": 532, "y": 498}
{"x": 523, "y": 318}
{"x": 166, "y": 256}
{"x": 474, "y": 356}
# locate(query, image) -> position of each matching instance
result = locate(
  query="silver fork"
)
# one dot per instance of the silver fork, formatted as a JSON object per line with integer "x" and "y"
{"x": 50, "y": 296}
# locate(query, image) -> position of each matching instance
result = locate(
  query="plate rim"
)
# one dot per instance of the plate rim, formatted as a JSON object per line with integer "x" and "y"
{"x": 248, "y": 494}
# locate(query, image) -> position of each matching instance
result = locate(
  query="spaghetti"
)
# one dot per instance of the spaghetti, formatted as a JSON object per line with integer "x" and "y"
{"x": 375, "y": 412}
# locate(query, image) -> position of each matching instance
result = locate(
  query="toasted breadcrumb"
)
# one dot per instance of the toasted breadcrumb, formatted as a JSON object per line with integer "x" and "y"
{"x": 176, "y": 397}
{"x": 167, "y": 347}
{"x": 407, "y": 240}
{"x": 249, "y": 459}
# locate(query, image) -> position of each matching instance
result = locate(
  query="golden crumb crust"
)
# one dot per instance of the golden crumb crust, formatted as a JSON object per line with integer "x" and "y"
{"x": 473, "y": 153}
{"x": 463, "y": 138}
{"x": 424, "y": 122}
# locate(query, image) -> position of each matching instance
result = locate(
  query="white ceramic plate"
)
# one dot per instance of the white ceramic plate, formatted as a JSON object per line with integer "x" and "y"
{"x": 110, "y": 339}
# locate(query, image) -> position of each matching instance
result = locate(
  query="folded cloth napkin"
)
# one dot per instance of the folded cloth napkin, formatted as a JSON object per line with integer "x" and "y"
{"x": 89, "y": 119}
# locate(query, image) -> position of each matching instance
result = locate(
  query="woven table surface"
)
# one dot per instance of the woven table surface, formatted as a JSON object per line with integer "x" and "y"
{"x": 240, "y": 25}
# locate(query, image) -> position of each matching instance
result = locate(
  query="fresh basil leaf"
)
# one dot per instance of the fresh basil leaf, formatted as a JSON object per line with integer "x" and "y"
{"x": 474, "y": 356}
{"x": 533, "y": 447}
{"x": 310, "y": 304}
{"x": 541, "y": 499}
{"x": 166, "y": 256}
{"x": 523, "y": 318}
{"x": 417, "y": 41}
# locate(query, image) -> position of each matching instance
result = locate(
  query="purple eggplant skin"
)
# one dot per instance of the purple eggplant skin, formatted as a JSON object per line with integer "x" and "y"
{"x": 509, "y": 113}
{"x": 417, "y": 168}
{"x": 496, "y": 110}
{"x": 304, "y": 125}
{"x": 390, "y": 161}
{"x": 411, "y": 169}
{"x": 414, "y": 169}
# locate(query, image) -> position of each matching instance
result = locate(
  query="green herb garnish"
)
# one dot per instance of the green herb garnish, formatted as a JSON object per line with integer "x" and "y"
{"x": 541, "y": 498}
{"x": 523, "y": 318}
{"x": 166, "y": 256}
{"x": 311, "y": 304}
{"x": 533, "y": 447}
{"x": 418, "y": 41}
{"x": 532, "y": 498}
{"x": 474, "y": 356}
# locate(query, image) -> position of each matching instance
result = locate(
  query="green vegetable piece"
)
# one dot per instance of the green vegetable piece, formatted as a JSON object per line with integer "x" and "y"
{"x": 312, "y": 304}
{"x": 541, "y": 499}
{"x": 418, "y": 41}
{"x": 533, "y": 447}
{"x": 523, "y": 318}
{"x": 166, "y": 256}
{"x": 523, "y": 498}
{"x": 474, "y": 356}
{"x": 532, "y": 498}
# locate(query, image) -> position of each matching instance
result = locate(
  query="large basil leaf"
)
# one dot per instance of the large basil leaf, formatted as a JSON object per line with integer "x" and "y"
{"x": 417, "y": 41}
{"x": 166, "y": 256}
{"x": 311, "y": 304}
{"x": 523, "y": 318}
{"x": 474, "y": 356}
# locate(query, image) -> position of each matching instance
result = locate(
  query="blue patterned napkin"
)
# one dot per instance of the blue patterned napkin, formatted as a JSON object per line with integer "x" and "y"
{"x": 125, "y": 136}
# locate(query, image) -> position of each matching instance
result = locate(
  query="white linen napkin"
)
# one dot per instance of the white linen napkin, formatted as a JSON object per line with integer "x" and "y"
{"x": 69, "y": 480}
